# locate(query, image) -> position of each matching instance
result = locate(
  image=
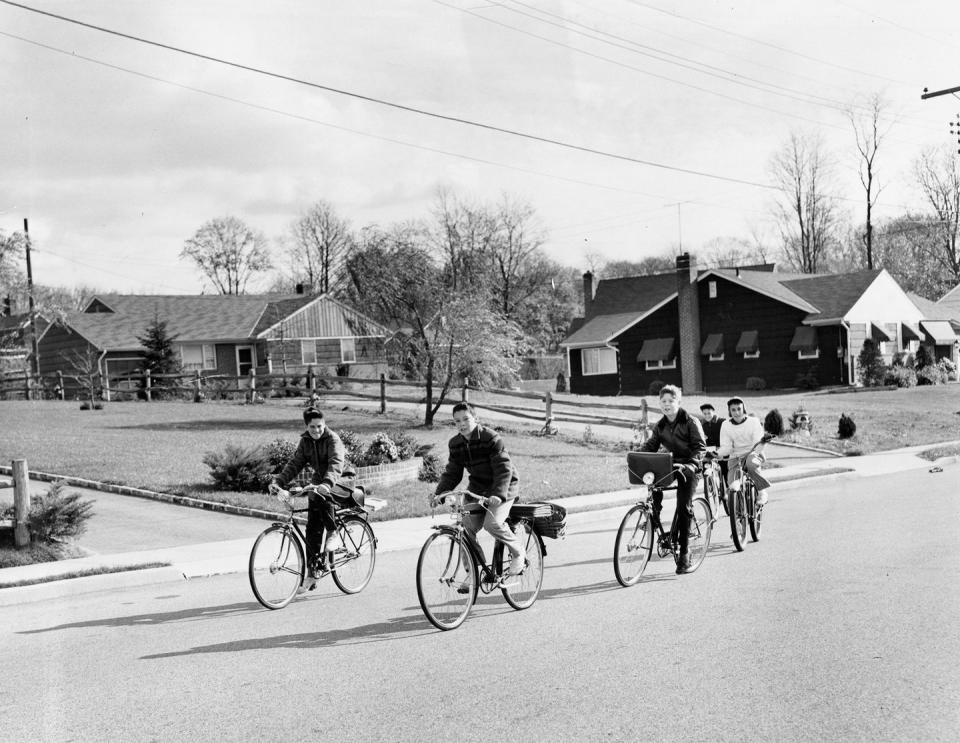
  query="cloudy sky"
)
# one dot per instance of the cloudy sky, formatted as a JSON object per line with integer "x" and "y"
{"x": 663, "y": 117}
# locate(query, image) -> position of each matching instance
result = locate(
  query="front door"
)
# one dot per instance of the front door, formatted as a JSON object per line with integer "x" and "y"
{"x": 244, "y": 361}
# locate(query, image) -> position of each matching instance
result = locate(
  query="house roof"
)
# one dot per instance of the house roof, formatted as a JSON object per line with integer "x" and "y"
{"x": 114, "y": 321}
{"x": 832, "y": 295}
{"x": 764, "y": 282}
{"x": 933, "y": 310}
{"x": 601, "y": 329}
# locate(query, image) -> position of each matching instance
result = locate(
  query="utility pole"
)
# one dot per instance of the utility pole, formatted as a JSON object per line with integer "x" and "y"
{"x": 33, "y": 314}
{"x": 935, "y": 93}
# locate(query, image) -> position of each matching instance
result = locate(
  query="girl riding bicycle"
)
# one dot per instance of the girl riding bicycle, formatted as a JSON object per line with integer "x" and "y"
{"x": 492, "y": 476}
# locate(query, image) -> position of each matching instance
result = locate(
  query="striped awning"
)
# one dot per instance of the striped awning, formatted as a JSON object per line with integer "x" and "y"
{"x": 908, "y": 333}
{"x": 804, "y": 339}
{"x": 749, "y": 341}
{"x": 656, "y": 349}
{"x": 713, "y": 345}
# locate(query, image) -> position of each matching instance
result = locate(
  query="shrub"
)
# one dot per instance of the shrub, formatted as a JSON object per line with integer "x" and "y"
{"x": 278, "y": 453}
{"x": 431, "y": 468}
{"x": 846, "y": 428}
{"x": 56, "y": 515}
{"x": 655, "y": 386}
{"x": 756, "y": 383}
{"x": 773, "y": 423}
{"x": 931, "y": 374}
{"x": 807, "y": 381}
{"x": 903, "y": 358}
{"x": 948, "y": 367}
{"x": 236, "y": 468}
{"x": 382, "y": 450}
{"x": 922, "y": 358}
{"x": 870, "y": 367}
{"x": 353, "y": 445}
{"x": 902, "y": 376}
{"x": 407, "y": 445}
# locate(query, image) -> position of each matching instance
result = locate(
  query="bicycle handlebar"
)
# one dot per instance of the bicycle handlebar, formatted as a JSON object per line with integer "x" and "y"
{"x": 767, "y": 437}
{"x": 457, "y": 499}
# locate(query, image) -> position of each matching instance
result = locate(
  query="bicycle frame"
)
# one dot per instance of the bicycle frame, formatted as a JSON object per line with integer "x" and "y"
{"x": 339, "y": 513}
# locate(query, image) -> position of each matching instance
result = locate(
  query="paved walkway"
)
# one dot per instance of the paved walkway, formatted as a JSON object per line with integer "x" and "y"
{"x": 130, "y": 532}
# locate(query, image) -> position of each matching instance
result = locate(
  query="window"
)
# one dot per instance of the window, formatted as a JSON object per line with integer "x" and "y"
{"x": 712, "y": 347}
{"x": 809, "y": 354}
{"x": 195, "y": 356}
{"x": 715, "y": 356}
{"x": 308, "y": 352}
{"x": 712, "y": 287}
{"x": 662, "y": 364}
{"x": 754, "y": 355}
{"x": 348, "y": 350}
{"x": 749, "y": 344}
{"x": 601, "y": 360}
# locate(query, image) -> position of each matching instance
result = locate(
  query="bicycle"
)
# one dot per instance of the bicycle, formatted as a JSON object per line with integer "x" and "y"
{"x": 742, "y": 504}
{"x": 714, "y": 488}
{"x": 278, "y": 567}
{"x": 641, "y": 526}
{"x": 451, "y": 570}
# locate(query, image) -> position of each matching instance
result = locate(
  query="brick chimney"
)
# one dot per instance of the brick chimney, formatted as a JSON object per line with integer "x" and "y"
{"x": 587, "y": 294}
{"x": 688, "y": 308}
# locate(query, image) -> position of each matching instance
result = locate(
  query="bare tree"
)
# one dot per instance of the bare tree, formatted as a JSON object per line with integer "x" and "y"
{"x": 939, "y": 180}
{"x": 229, "y": 253}
{"x": 462, "y": 235}
{"x": 321, "y": 241}
{"x": 806, "y": 214}
{"x": 514, "y": 255}
{"x": 86, "y": 370}
{"x": 870, "y": 131}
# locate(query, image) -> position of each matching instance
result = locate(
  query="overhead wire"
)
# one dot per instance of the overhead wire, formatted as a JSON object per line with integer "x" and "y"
{"x": 394, "y": 105}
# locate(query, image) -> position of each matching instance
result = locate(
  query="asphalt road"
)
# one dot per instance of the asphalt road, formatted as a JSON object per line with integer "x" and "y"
{"x": 838, "y": 625}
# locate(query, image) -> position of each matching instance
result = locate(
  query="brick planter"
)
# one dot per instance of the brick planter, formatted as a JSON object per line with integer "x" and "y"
{"x": 387, "y": 474}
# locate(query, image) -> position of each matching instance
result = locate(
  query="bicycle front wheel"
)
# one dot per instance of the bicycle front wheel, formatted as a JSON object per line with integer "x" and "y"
{"x": 633, "y": 546}
{"x": 355, "y": 555}
{"x": 738, "y": 518}
{"x": 276, "y": 566}
{"x": 521, "y": 590}
{"x": 754, "y": 512}
{"x": 701, "y": 526}
{"x": 447, "y": 580}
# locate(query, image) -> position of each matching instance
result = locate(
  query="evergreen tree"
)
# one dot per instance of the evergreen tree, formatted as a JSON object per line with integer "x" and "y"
{"x": 159, "y": 356}
{"x": 871, "y": 366}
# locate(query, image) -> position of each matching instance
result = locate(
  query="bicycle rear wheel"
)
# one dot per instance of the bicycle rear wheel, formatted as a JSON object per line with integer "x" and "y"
{"x": 447, "y": 580}
{"x": 738, "y": 518}
{"x": 521, "y": 590}
{"x": 276, "y": 566}
{"x": 355, "y": 556}
{"x": 633, "y": 546}
{"x": 701, "y": 526}
{"x": 754, "y": 511}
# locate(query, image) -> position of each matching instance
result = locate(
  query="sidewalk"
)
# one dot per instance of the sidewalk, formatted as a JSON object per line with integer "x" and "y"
{"x": 217, "y": 557}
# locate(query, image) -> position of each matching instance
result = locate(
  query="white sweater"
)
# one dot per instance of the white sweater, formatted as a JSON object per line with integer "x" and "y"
{"x": 736, "y": 439}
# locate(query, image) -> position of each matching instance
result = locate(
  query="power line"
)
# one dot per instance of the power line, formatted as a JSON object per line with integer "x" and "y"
{"x": 309, "y": 120}
{"x": 395, "y": 105}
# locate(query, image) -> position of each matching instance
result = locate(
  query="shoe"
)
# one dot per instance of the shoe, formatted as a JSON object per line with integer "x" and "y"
{"x": 464, "y": 587}
{"x": 308, "y": 584}
{"x": 517, "y": 565}
{"x": 683, "y": 565}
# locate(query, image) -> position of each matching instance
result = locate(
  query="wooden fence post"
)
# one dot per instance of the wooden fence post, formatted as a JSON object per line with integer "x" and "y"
{"x": 21, "y": 504}
{"x": 383, "y": 394}
{"x": 146, "y": 385}
{"x": 464, "y": 395}
{"x": 644, "y": 423}
{"x": 198, "y": 387}
{"x": 27, "y": 386}
{"x": 253, "y": 385}
{"x": 311, "y": 378}
{"x": 61, "y": 393}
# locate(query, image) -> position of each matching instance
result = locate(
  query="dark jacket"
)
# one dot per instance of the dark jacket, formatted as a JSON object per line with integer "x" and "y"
{"x": 683, "y": 438}
{"x": 487, "y": 462}
{"x": 711, "y": 430}
{"x": 324, "y": 455}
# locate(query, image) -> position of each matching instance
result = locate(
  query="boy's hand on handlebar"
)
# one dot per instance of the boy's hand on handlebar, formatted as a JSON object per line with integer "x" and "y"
{"x": 492, "y": 502}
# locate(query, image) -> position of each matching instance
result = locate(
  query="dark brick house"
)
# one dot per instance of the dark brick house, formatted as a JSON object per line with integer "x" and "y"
{"x": 222, "y": 334}
{"x": 712, "y": 330}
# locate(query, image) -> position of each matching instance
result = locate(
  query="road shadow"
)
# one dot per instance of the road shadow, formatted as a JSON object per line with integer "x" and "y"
{"x": 142, "y": 620}
{"x": 392, "y": 629}
{"x": 206, "y": 425}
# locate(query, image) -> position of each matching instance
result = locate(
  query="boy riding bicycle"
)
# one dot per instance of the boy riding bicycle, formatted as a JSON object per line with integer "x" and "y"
{"x": 738, "y": 435}
{"x": 322, "y": 450}
{"x": 492, "y": 476}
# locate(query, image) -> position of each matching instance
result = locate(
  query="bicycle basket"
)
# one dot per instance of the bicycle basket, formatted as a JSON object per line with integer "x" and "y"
{"x": 549, "y": 519}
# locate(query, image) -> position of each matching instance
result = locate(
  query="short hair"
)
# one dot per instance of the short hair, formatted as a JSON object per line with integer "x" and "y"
{"x": 464, "y": 406}
{"x": 670, "y": 389}
{"x": 706, "y": 406}
{"x": 736, "y": 401}
{"x": 312, "y": 414}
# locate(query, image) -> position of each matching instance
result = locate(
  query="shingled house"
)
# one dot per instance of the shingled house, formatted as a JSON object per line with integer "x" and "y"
{"x": 221, "y": 334}
{"x": 714, "y": 329}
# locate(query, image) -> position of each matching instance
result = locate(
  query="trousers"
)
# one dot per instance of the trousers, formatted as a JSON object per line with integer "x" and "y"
{"x": 680, "y": 528}
{"x": 493, "y": 520}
